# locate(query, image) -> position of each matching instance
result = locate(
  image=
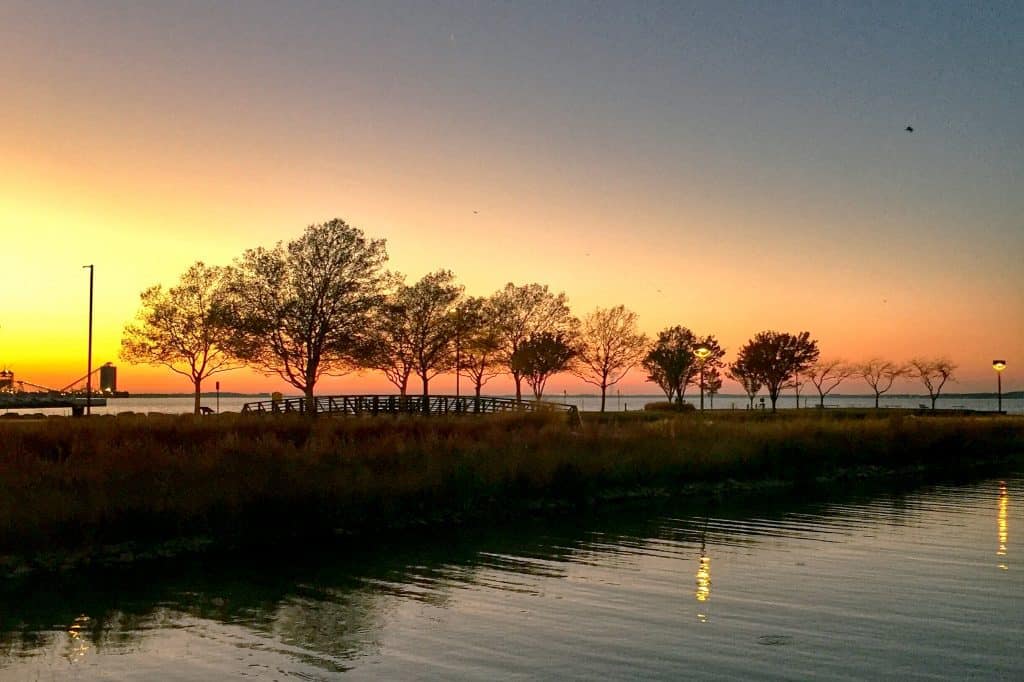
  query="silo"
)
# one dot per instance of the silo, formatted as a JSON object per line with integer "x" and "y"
{"x": 108, "y": 378}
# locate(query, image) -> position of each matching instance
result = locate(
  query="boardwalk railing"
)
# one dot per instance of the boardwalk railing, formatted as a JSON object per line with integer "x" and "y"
{"x": 372, "y": 405}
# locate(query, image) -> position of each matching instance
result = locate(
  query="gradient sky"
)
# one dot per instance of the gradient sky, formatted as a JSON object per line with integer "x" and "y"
{"x": 731, "y": 167}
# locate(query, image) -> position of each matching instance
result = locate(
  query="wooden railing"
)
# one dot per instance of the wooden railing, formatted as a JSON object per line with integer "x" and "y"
{"x": 373, "y": 405}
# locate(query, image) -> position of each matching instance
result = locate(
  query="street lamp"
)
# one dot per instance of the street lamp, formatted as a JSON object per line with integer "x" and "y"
{"x": 88, "y": 372}
{"x": 702, "y": 352}
{"x": 999, "y": 366}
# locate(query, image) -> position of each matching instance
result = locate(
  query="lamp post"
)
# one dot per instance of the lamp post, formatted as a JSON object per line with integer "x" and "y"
{"x": 702, "y": 352}
{"x": 999, "y": 366}
{"x": 88, "y": 372}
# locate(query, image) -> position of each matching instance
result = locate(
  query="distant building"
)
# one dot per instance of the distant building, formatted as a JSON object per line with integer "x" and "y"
{"x": 108, "y": 378}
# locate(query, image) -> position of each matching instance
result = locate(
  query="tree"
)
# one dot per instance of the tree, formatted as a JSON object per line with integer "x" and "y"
{"x": 430, "y": 309}
{"x": 712, "y": 383}
{"x": 775, "y": 357}
{"x": 880, "y": 375}
{"x": 670, "y": 363}
{"x": 712, "y": 362}
{"x": 745, "y": 377}
{"x": 184, "y": 328}
{"x": 522, "y": 312}
{"x": 540, "y": 357}
{"x": 480, "y": 343}
{"x": 390, "y": 347}
{"x": 933, "y": 374}
{"x": 304, "y": 310}
{"x": 826, "y": 375}
{"x": 610, "y": 345}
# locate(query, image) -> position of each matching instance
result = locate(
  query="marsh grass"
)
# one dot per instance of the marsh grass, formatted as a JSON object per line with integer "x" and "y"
{"x": 82, "y": 482}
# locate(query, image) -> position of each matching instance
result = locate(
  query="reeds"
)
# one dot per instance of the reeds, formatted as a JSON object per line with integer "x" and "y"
{"x": 75, "y": 483}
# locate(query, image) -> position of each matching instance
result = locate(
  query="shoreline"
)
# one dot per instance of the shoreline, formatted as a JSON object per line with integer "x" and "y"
{"x": 357, "y": 478}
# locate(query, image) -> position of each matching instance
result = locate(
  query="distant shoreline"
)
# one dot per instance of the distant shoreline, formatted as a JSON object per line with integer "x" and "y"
{"x": 553, "y": 397}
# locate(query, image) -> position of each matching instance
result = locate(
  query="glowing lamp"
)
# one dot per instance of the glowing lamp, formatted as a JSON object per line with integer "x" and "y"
{"x": 999, "y": 366}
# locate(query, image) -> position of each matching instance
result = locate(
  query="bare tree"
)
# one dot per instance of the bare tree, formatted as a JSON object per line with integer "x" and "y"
{"x": 775, "y": 357}
{"x": 933, "y": 374}
{"x": 480, "y": 342}
{"x": 184, "y": 328}
{"x": 880, "y": 375}
{"x": 541, "y": 356}
{"x": 610, "y": 345}
{"x": 745, "y": 377}
{"x": 303, "y": 310}
{"x": 826, "y": 375}
{"x": 522, "y": 312}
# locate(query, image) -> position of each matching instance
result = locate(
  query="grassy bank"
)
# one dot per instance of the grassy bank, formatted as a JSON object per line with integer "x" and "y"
{"x": 67, "y": 483}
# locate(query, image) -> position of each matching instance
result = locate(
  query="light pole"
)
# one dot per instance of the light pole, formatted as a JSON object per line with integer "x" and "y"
{"x": 999, "y": 366}
{"x": 702, "y": 352}
{"x": 88, "y": 372}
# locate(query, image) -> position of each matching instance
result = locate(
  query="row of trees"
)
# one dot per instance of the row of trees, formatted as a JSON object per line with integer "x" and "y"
{"x": 323, "y": 304}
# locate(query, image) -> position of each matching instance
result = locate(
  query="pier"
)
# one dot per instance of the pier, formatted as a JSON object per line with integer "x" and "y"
{"x": 374, "y": 405}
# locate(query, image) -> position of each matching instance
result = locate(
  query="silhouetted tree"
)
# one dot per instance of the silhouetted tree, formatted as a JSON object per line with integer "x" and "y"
{"x": 712, "y": 363}
{"x": 390, "y": 348}
{"x": 480, "y": 342}
{"x": 880, "y": 375}
{"x": 303, "y": 310}
{"x": 522, "y": 312}
{"x": 933, "y": 374}
{"x": 712, "y": 383}
{"x": 430, "y": 309}
{"x": 610, "y": 345}
{"x": 184, "y": 328}
{"x": 774, "y": 357}
{"x": 745, "y": 377}
{"x": 671, "y": 362}
{"x": 540, "y": 357}
{"x": 826, "y": 375}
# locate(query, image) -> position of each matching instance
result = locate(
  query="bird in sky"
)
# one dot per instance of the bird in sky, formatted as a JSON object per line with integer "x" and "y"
{"x": 909, "y": 129}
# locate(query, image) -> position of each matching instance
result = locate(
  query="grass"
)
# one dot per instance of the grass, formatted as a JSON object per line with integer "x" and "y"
{"x": 74, "y": 483}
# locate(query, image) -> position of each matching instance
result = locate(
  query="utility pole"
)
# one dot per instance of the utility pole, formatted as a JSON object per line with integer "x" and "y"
{"x": 88, "y": 372}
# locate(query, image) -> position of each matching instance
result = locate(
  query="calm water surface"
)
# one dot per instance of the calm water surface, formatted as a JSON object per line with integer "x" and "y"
{"x": 916, "y": 584}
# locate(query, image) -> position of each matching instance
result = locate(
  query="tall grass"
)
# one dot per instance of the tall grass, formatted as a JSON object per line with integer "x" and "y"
{"x": 73, "y": 483}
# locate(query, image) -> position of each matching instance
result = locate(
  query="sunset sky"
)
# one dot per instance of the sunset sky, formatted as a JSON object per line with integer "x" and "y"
{"x": 731, "y": 167}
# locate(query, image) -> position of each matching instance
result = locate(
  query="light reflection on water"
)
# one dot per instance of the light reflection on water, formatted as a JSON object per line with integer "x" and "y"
{"x": 865, "y": 586}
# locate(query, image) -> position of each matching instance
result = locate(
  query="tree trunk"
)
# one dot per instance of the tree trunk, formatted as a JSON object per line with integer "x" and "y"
{"x": 518, "y": 378}
{"x": 822, "y": 403}
{"x": 775, "y": 398}
{"x": 198, "y": 389}
{"x": 934, "y": 398}
{"x": 426, "y": 387}
{"x": 603, "y": 390}
{"x": 876, "y": 400}
{"x": 310, "y": 400}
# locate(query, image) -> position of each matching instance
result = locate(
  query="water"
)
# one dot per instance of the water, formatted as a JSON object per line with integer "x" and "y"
{"x": 180, "y": 405}
{"x": 878, "y": 585}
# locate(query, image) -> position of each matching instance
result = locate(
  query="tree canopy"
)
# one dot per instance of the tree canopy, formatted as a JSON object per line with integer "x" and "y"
{"x": 529, "y": 310}
{"x": 303, "y": 309}
{"x": 185, "y": 328}
{"x": 540, "y": 357}
{"x": 610, "y": 345}
{"x": 775, "y": 357}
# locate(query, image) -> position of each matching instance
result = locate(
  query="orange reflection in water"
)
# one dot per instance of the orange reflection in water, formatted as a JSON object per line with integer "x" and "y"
{"x": 1001, "y": 523}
